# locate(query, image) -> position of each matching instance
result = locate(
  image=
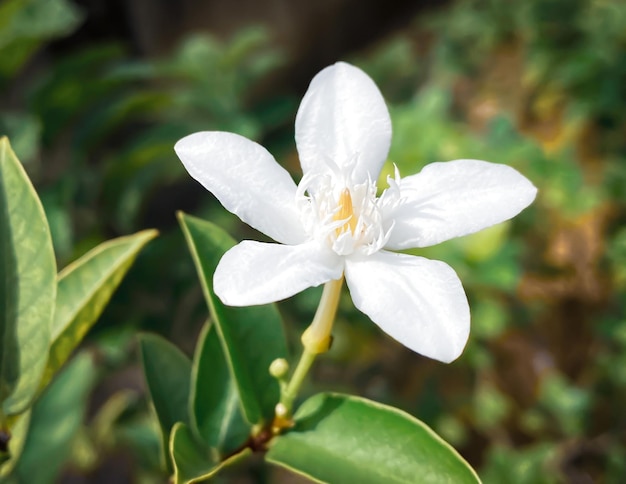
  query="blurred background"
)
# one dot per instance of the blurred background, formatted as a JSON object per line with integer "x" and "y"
{"x": 94, "y": 94}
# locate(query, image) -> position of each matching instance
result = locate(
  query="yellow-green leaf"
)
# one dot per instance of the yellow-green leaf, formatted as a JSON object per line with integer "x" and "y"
{"x": 27, "y": 285}
{"x": 84, "y": 289}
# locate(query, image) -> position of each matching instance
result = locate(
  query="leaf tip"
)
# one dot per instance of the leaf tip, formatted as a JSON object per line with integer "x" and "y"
{"x": 149, "y": 234}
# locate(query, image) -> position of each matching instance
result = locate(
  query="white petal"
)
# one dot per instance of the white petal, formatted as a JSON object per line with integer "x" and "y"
{"x": 246, "y": 179}
{"x": 258, "y": 273}
{"x": 454, "y": 198}
{"x": 419, "y": 302}
{"x": 342, "y": 119}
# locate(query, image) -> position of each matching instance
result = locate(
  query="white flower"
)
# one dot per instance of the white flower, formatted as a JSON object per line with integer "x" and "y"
{"x": 332, "y": 223}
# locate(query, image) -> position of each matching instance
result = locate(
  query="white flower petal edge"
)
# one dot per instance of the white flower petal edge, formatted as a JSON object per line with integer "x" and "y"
{"x": 246, "y": 179}
{"x": 454, "y": 198}
{"x": 417, "y": 301}
{"x": 259, "y": 273}
{"x": 343, "y": 120}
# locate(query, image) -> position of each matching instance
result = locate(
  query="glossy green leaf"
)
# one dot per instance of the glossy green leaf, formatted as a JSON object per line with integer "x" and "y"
{"x": 193, "y": 461}
{"x": 168, "y": 375}
{"x": 56, "y": 418}
{"x": 84, "y": 289}
{"x": 252, "y": 337}
{"x": 215, "y": 408}
{"x": 340, "y": 438}
{"x": 27, "y": 285}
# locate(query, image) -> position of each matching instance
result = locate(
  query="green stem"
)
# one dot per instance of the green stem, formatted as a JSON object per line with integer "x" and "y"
{"x": 291, "y": 391}
{"x": 316, "y": 339}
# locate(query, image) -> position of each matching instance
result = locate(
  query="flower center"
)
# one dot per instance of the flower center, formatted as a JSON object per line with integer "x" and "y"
{"x": 342, "y": 215}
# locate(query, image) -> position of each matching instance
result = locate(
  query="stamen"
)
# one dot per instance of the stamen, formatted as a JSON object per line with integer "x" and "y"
{"x": 347, "y": 221}
{"x": 346, "y": 213}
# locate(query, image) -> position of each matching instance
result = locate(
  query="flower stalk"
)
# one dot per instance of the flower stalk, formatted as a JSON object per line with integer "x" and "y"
{"x": 316, "y": 339}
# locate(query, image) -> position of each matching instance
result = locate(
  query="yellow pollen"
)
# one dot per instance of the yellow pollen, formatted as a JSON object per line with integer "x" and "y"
{"x": 346, "y": 213}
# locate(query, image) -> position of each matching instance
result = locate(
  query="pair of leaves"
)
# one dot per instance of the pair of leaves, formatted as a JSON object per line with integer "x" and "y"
{"x": 43, "y": 317}
{"x": 212, "y": 404}
{"x": 196, "y": 404}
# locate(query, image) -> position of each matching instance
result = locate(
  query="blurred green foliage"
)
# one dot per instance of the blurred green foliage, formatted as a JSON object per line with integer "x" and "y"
{"x": 25, "y": 25}
{"x": 538, "y": 395}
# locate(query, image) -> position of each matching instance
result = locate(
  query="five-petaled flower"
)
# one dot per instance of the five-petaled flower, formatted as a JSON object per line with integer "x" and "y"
{"x": 333, "y": 224}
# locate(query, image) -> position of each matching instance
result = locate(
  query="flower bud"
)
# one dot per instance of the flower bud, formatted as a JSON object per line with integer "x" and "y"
{"x": 279, "y": 368}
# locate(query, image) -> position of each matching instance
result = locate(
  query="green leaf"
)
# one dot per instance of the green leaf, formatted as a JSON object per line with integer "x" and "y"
{"x": 19, "y": 429}
{"x": 84, "y": 289}
{"x": 252, "y": 337}
{"x": 56, "y": 418}
{"x": 27, "y": 285}
{"x": 193, "y": 461}
{"x": 215, "y": 407}
{"x": 168, "y": 375}
{"x": 340, "y": 438}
